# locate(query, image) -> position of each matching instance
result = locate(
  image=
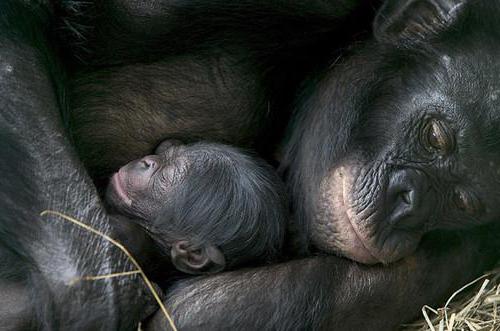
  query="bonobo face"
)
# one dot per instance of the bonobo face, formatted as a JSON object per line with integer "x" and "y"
{"x": 436, "y": 166}
{"x": 141, "y": 188}
{"x": 418, "y": 141}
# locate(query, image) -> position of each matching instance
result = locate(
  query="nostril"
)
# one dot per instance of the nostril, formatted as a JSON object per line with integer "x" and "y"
{"x": 147, "y": 163}
{"x": 407, "y": 206}
{"x": 406, "y": 197}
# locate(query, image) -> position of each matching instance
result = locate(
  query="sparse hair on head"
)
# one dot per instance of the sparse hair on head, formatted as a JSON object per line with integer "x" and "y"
{"x": 229, "y": 199}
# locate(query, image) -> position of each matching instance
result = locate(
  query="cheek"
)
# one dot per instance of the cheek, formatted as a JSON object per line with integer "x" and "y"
{"x": 483, "y": 202}
{"x": 136, "y": 183}
{"x": 146, "y": 205}
{"x": 150, "y": 201}
{"x": 140, "y": 194}
{"x": 481, "y": 185}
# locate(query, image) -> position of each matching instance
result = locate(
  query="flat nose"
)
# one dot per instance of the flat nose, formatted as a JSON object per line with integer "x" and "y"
{"x": 146, "y": 164}
{"x": 408, "y": 199}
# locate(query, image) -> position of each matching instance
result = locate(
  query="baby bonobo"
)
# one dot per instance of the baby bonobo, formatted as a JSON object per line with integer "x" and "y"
{"x": 206, "y": 207}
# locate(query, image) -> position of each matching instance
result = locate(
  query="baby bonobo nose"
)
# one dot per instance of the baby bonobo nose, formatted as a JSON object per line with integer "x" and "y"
{"x": 147, "y": 163}
{"x": 407, "y": 201}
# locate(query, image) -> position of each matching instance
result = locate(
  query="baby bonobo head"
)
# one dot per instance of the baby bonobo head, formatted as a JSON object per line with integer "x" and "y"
{"x": 208, "y": 206}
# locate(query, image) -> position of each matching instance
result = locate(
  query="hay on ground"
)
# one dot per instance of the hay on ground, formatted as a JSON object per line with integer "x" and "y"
{"x": 474, "y": 307}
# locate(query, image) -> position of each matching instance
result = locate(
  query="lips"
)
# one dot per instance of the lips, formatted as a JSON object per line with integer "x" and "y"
{"x": 117, "y": 183}
{"x": 358, "y": 250}
{"x": 357, "y": 229}
{"x": 334, "y": 229}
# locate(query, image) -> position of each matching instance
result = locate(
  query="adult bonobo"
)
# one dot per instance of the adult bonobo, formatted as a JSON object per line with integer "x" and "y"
{"x": 42, "y": 258}
{"x": 313, "y": 293}
{"x": 396, "y": 141}
{"x": 402, "y": 137}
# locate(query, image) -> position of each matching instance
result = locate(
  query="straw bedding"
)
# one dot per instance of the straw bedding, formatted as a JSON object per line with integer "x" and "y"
{"x": 474, "y": 307}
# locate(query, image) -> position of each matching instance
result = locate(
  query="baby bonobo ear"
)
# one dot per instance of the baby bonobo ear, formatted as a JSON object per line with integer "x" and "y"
{"x": 197, "y": 259}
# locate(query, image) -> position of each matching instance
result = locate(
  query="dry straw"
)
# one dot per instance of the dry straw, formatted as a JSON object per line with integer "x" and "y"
{"x": 139, "y": 270}
{"x": 474, "y": 307}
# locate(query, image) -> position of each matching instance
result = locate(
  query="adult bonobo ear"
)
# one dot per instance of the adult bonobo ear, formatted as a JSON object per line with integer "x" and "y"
{"x": 400, "y": 21}
{"x": 197, "y": 259}
{"x": 166, "y": 145}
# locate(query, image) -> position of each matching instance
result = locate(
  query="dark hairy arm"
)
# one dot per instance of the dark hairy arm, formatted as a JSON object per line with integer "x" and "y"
{"x": 42, "y": 258}
{"x": 328, "y": 292}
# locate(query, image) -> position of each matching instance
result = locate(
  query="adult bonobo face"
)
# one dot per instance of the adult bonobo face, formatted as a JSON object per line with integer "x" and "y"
{"x": 404, "y": 137}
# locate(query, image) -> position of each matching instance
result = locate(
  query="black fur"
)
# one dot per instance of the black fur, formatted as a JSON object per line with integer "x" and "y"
{"x": 327, "y": 292}
{"x": 213, "y": 71}
{"x": 366, "y": 119}
{"x": 217, "y": 196}
{"x": 313, "y": 293}
{"x": 231, "y": 200}
{"x": 42, "y": 256}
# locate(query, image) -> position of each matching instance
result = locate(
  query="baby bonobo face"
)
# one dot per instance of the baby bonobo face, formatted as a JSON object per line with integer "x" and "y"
{"x": 142, "y": 187}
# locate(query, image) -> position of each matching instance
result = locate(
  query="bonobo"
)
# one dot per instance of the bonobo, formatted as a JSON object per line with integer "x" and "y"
{"x": 384, "y": 148}
{"x": 44, "y": 257}
{"x": 402, "y": 137}
{"x": 207, "y": 206}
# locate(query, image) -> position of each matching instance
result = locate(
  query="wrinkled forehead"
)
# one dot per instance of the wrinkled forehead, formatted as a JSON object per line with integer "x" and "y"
{"x": 466, "y": 75}
{"x": 462, "y": 83}
{"x": 194, "y": 156}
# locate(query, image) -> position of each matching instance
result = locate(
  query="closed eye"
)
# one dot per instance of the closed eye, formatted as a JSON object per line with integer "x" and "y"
{"x": 437, "y": 137}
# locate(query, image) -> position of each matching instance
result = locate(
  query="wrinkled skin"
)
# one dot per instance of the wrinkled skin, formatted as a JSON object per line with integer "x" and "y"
{"x": 313, "y": 293}
{"x": 143, "y": 187}
{"x": 42, "y": 257}
{"x": 393, "y": 126}
{"x": 410, "y": 148}
{"x": 377, "y": 156}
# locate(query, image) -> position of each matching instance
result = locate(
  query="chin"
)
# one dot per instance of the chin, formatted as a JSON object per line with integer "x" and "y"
{"x": 362, "y": 235}
{"x": 114, "y": 200}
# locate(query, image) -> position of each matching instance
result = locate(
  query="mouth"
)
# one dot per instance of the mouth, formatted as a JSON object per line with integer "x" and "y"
{"x": 117, "y": 184}
{"x": 358, "y": 249}
{"x": 358, "y": 229}
{"x": 335, "y": 229}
